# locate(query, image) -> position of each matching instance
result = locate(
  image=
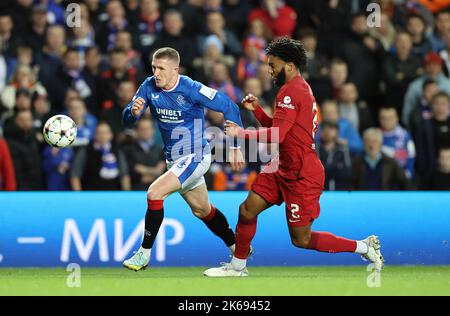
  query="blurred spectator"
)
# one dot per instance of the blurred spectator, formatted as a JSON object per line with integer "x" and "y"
{"x": 335, "y": 158}
{"x": 236, "y": 13}
{"x": 96, "y": 13}
{"x": 441, "y": 30}
{"x": 440, "y": 107}
{"x": 145, "y": 158}
{"x": 423, "y": 111}
{"x": 280, "y": 18}
{"x": 41, "y": 110}
{"x": 7, "y": 173}
{"x": 24, "y": 152}
{"x": 56, "y": 165}
{"x": 416, "y": 27}
{"x": 257, "y": 31}
{"x": 252, "y": 86}
{"x": 402, "y": 10}
{"x": 8, "y": 42}
{"x": 24, "y": 79}
{"x": 363, "y": 55}
{"x": 399, "y": 70}
{"x": 101, "y": 165}
{"x": 23, "y": 102}
{"x": 432, "y": 135}
{"x": 385, "y": 33}
{"x": 375, "y": 171}
{"x": 192, "y": 12}
{"x": 215, "y": 25}
{"x": 220, "y": 80}
{"x": 149, "y": 23}
{"x": 35, "y": 35}
{"x": 213, "y": 54}
{"x": 440, "y": 180}
{"x": 50, "y": 58}
{"x": 83, "y": 37}
{"x": 348, "y": 135}
{"x": 354, "y": 111}
{"x": 123, "y": 41}
{"x": 397, "y": 142}
{"x": 132, "y": 10}
{"x": 24, "y": 55}
{"x": 317, "y": 69}
{"x": 106, "y": 35}
{"x": 119, "y": 71}
{"x": 86, "y": 122}
{"x": 20, "y": 11}
{"x": 69, "y": 75}
{"x": 269, "y": 90}
{"x": 91, "y": 73}
{"x": 172, "y": 36}
{"x": 252, "y": 59}
{"x": 433, "y": 70}
{"x": 113, "y": 115}
{"x": 337, "y": 78}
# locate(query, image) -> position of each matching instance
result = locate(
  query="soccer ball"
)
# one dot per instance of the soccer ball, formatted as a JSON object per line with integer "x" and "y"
{"x": 60, "y": 131}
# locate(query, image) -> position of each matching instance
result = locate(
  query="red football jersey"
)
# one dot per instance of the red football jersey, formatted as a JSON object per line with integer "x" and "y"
{"x": 295, "y": 118}
{"x": 295, "y": 114}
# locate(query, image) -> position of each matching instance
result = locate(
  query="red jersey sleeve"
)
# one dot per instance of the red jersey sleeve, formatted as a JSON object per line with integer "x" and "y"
{"x": 262, "y": 117}
{"x": 283, "y": 119}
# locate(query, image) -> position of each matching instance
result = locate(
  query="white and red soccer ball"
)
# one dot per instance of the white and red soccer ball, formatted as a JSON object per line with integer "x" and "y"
{"x": 60, "y": 131}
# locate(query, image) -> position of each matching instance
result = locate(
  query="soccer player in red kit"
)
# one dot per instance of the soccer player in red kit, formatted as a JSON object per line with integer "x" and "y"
{"x": 298, "y": 180}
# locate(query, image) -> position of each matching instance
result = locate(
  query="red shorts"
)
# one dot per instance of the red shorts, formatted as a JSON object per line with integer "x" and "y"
{"x": 301, "y": 196}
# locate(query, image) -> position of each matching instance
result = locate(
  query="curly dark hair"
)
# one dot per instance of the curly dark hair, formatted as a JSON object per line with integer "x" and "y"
{"x": 288, "y": 50}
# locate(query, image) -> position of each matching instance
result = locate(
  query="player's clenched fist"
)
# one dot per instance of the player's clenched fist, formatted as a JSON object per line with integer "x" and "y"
{"x": 138, "y": 105}
{"x": 250, "y": 102}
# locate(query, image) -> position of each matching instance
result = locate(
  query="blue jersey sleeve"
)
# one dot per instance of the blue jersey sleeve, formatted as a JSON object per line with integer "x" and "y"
{"x": 128, "y": 118}
{"x": 217, "y": 101}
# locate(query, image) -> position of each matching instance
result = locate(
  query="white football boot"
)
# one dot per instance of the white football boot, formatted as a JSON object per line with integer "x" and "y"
{"x": 226, "y": 270}
{"x": 373, "y": 254}
{"x": 139, "y": 261}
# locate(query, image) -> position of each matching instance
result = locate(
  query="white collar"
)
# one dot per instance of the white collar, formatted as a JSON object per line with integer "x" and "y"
{"x": 173, "y": 88}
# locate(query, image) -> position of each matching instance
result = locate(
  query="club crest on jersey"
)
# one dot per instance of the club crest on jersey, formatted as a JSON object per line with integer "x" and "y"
{"x": 181, "y": 100}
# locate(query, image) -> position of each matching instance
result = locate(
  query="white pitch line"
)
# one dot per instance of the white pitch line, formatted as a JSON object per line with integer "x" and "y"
{"x": 30, "y": 240}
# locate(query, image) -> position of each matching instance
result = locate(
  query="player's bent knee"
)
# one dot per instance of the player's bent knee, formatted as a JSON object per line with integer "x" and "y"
{"x": 154, "y": 194}
{"x": 199, "y": 213}
{"x": 245, "y": 213}
{"x": 301, "y": 242}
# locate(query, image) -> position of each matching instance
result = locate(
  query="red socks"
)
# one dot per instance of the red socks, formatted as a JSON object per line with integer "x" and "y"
{"x": 327, "y": 242}
{"x": 155, "y": 205}
{"x": 245, "y": 231}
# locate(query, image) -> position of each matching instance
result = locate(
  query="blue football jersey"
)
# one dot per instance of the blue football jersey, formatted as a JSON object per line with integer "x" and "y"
{"x": 180, "y": 114}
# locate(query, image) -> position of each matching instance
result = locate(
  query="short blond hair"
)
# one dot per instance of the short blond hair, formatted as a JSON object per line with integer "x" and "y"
{"x": 167, "y": 52}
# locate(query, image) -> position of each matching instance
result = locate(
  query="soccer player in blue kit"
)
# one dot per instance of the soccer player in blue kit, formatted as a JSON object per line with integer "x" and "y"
{"x": 177, "y": 103}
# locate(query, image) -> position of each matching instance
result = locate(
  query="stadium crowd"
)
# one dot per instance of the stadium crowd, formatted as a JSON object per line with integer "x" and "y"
{"x": 383, "y": 91}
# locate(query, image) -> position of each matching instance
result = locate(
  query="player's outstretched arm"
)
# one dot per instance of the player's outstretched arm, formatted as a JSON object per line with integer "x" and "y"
{"x": 275, "y": 134}
{"x": 251, "y": 103}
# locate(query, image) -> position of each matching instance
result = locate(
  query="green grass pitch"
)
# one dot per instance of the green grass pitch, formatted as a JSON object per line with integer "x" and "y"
{"x": 395, "y": 280}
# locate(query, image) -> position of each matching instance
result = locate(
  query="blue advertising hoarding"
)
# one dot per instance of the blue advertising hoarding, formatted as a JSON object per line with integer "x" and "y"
{"x": 103, "y": 228}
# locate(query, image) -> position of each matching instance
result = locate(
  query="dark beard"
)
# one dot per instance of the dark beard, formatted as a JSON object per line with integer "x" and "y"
{"x": 280, "y": 80}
